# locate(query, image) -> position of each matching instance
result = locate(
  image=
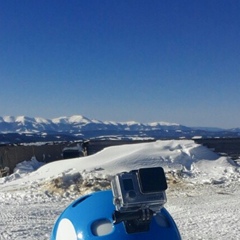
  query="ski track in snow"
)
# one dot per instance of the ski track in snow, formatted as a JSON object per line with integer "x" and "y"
{"x": 29, "y": 216}
{"x": 206, "y": 212}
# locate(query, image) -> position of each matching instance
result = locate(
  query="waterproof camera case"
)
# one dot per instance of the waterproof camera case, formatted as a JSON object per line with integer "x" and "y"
{"x": 139, "y": 190}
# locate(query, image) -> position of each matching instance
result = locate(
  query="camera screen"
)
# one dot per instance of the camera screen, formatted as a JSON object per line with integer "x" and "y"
{"x": 128, "y": 184}
{"x": 152, "y": 180}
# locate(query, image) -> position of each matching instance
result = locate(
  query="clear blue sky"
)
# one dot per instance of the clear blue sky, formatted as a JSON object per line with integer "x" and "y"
{"x": 121, "y": 60}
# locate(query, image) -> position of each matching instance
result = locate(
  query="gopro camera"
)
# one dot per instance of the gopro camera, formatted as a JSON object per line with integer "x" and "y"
{"x": 139, "y": 189}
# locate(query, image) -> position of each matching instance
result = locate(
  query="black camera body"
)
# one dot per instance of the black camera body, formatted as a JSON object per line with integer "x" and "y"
{"x": 139, "y": 189}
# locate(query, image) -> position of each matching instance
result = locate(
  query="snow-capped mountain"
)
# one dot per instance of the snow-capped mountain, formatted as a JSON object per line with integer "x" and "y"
{"x": 80, "y": 126}
{"x": 22, "y": 124}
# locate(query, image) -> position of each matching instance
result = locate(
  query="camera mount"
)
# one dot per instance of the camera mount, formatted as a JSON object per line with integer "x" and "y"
{"x": 138, "y": 221}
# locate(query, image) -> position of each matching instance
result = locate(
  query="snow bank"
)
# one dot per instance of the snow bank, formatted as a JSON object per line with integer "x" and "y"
{"x": 184, "y": 158}
{"x": 22, "y": 169}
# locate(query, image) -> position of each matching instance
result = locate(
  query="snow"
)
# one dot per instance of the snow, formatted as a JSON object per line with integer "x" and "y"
{"x": 72, "y": 119}
{"x": 42, "y": 120}
{"x": 156, "y": 124}
{"x": 203, "y": 188}
{"x": 23, "y": 123}
{"x": 9, "y": 119}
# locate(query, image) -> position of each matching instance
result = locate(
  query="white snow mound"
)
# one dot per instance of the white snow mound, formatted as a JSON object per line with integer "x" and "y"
{"x": 193, "y": 160}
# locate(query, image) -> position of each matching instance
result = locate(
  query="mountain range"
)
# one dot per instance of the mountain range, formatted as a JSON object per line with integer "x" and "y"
{"x": 78, "y": 126}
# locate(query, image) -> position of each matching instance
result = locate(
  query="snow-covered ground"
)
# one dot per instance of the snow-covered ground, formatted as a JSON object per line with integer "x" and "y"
{"x": 203, "y": 188}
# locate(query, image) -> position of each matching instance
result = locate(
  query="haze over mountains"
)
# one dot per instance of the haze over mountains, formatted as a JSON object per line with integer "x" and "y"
{"x": 79, "y": 126}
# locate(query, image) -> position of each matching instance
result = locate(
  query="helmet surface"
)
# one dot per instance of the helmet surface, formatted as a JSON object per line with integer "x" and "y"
{"x": 90, "y": 217}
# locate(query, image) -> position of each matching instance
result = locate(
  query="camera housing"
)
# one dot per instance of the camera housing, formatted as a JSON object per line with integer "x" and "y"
{"x": 139, "y": 190}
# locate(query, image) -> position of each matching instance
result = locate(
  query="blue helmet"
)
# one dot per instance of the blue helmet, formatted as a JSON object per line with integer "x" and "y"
{"x": 90, "y": 217}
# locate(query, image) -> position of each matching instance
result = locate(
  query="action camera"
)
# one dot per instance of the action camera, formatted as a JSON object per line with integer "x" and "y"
{"x": 139, "y": 189}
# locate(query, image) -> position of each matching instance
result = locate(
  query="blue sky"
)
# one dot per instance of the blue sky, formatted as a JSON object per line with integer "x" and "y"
{"x": 121, "y": 60}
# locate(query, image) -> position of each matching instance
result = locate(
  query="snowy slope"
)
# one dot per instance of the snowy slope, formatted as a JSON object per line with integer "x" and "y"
{"x": 203, "y": 194}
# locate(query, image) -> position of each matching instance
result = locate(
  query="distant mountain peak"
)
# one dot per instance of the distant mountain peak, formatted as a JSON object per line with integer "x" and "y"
{"x": 164, "y": 124}
{"x": 79, "y": 125}
{"x": 71, "y": 119}
{"x": 72, "y": 123}
{"x": 79, "y": 119}
{"x": 8, "y": 119}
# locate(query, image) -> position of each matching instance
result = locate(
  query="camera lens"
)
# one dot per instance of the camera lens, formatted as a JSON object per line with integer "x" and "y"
{"x": 131, "y": 194}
